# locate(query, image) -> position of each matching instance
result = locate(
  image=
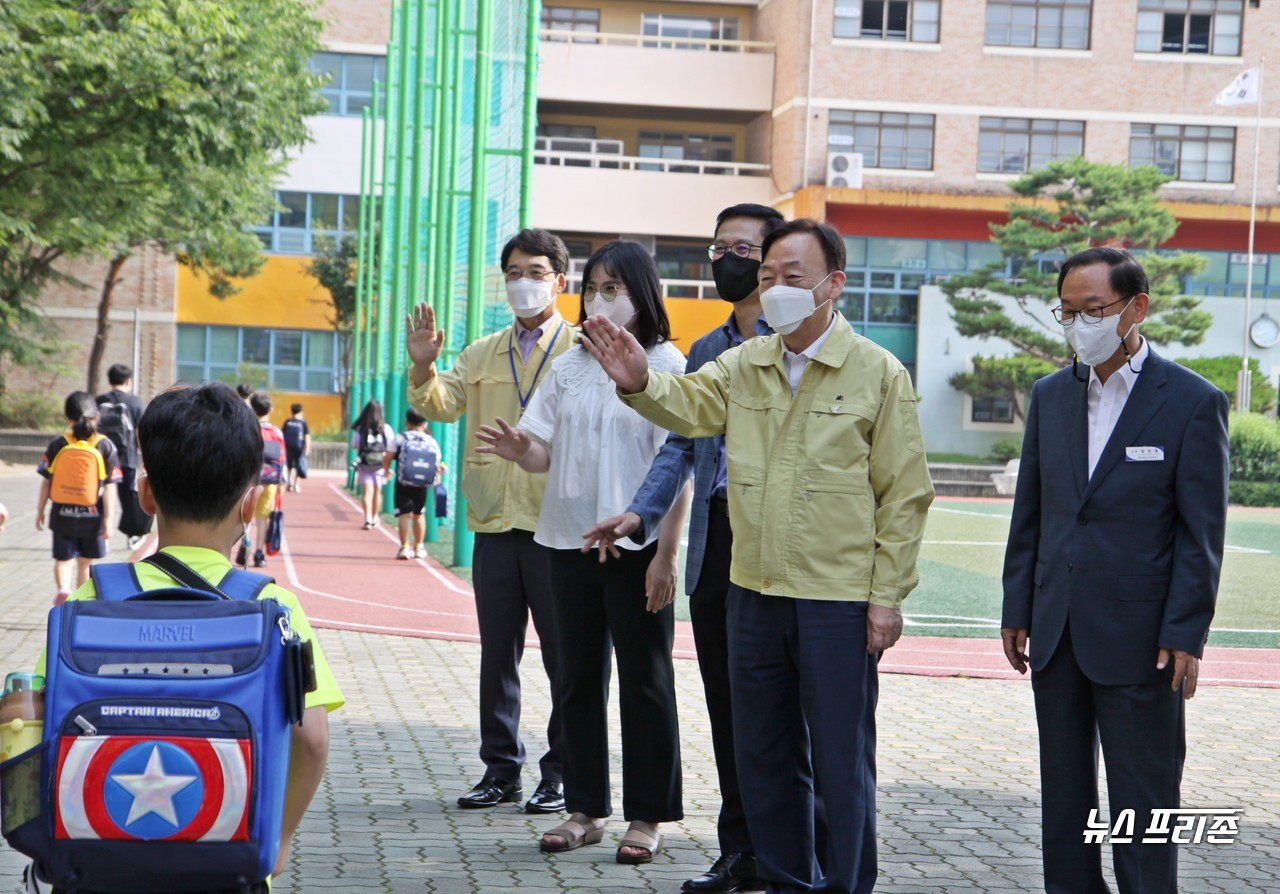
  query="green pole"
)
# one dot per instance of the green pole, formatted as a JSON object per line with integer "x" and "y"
{"x": 359, "y": 348}
{"x": 463, "y": 540}
{"x": 412, "y": 12}
{"x": 530, "y": 110}
{"x": 437, "y": 238}
{"x": 390, "y": 205}
{"x": 478, "y": 266}
{"x": 375, "y": 248}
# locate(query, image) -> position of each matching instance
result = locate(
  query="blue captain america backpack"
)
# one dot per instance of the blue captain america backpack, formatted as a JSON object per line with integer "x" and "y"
{"x": 165, "y": 754}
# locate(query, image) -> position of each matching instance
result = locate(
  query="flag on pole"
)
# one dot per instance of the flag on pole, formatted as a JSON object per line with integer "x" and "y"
{"x": 1242, "y": 91}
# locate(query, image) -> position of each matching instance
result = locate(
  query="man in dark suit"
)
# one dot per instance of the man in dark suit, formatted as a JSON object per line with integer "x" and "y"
{"x": 1112, "y": 567}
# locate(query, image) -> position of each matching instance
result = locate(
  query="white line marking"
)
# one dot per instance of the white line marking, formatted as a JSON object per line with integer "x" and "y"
{"x": 936, "y": 508}
{"x": 412, "y": 631}
{"x": 467, "y": 591}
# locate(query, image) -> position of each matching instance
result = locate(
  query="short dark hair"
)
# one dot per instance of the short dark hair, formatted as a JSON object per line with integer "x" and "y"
{"x": 413, "y": 417}
{"x": 81, "y": 411}
{"x": 260, "y": 403}
{"x": 295, "y": 408}
{"x": 831, "y": 242}
{"x": 631, "y": 263}
{"x": 119, "y": 373}
{"x": 245, "y": 390}
{"x": 770, "y": 218}
{"x": 201, "y": 449}
{"x": 1127, "y": 276}
{"x": 538, "y": 243}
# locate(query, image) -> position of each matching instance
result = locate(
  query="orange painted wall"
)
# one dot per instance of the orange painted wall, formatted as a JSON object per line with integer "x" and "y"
{"x": 282, "y": 296}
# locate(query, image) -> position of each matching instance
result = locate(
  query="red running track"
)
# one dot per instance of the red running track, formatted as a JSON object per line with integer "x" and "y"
{"x": 347, "y": 578}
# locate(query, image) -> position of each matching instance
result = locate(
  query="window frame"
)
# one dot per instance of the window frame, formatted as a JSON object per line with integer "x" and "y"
{"x": 659, "y": 38}
{"x": 1152, "y": 40}
{"x": 339, "y": 94}
{"x": 301, "y": 241}
{"x": 1031, "y": 129}
{"x": 212, "y": 369}
{"x": 916, "y": 29}
{"x": 1185, "y": 135}
{"x": 912, "y": 122}
{"x": 577, "y": 18}
{"x": 1039, "y": 27}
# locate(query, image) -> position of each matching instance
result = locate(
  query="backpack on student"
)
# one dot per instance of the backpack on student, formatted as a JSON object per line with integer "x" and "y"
{"x": 272, "y": 456}
{"x": 372, "y": 448}
{"x": 417, "y": 461}
{"x": 115, "y": 423}
{"x": 167, "y": 730}
{"x": 78, "y": 471}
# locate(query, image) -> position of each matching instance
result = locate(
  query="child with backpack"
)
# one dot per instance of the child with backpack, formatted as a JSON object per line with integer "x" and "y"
{"x": 74, "y": 471}
{"x": 417, "y": 458}
{"x": 271, "y": 477}
{"x": 370, "y": 438}
{"x": 297, "y": 444}
{"x": 196, "y": 795}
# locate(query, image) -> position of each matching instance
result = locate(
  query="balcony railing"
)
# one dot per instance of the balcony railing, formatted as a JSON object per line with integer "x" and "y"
{"x": 607, "y": 154}
{"x": 670, "y": 288}
{"x": 713, "y": 44}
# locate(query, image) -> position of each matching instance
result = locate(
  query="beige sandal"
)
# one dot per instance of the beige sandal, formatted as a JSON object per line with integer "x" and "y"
{"x": 573, "y": 834}
{"x": 642, "y": 840}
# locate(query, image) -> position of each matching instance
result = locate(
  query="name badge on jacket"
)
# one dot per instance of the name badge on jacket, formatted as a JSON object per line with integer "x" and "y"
{"x": 1143, "y": 454}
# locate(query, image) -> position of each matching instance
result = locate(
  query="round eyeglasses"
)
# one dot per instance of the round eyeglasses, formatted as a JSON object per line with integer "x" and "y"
{"x": 1089, "y": 314}
{"x": 716, "y": 250}
{"x": 608, "y": 291}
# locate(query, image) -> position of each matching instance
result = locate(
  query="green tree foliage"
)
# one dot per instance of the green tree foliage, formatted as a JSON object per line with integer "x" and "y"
{"x": 334, "y": 266}
{"x": 125, "y": 121}
{"x": 1254, "y": 444}
{"x": 1222, "y": 371}
{"x": 1063, "y": 209}
{"x": 1002, "y": 377}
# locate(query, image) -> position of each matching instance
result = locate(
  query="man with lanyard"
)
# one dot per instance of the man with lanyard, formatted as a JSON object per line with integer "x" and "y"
{"x": 497, "y": 376}
{"x": 735, "y": 264}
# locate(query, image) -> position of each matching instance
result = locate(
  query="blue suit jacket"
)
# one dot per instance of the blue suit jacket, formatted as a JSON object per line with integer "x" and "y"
{"x": 1131, "y": 555}
{"x": 670, "y": 469}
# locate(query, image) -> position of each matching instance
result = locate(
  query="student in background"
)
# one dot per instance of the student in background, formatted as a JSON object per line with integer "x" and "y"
{"x": 418, "y": 470}
{"x": 370, "y": 438}
{"x": 297, "y": 444}
{"x": 119, "y": 411}
{"x": 273, "y": 450}
{"x": 82, "y": 504}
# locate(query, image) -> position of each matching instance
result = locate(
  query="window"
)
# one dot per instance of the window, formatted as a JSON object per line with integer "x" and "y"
{"x": 1018, "y": 145}
{"x": 349, "y": 84}
{"x": 1193, "y": 154}
{"x": 306, "y": 216}
{"x": 914, "y": 20}
{"x": 696, "y": 31}
{"x": 683, "y": 262}
{"x": 1190, "y": 26}
{"x": 283, "y": 359}
{"x": 694, "y": 147}
{"x": 1046, "y": 24}
{"x": 885, "y": 139}
{"x": 992, "y": 409}
{"x": 568, "y": 18}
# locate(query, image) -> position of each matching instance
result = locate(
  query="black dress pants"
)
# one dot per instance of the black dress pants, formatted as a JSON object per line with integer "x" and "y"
{"x": 1142, "y": 732}
{"x": 599, "y": 613}
{"x": 512, "y": 579}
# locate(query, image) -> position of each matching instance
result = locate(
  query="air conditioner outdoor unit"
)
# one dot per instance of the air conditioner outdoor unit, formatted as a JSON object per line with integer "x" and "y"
{"x": 844, "y": 169}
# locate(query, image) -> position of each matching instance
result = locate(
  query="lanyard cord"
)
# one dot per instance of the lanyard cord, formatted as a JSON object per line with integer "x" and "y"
{"x": 526, "y": 397}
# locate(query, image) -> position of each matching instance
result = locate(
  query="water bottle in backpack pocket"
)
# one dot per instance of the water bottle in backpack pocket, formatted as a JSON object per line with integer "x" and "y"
{"x": 167, "y": 731}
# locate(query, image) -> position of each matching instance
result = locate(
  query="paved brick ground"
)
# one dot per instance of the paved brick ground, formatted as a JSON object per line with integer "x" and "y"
{"x": 958, "y": 773}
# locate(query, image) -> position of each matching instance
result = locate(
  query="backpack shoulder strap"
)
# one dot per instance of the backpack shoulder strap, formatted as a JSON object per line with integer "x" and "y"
{"x": 245, "y": 585}
{"x": 114, "y": 581}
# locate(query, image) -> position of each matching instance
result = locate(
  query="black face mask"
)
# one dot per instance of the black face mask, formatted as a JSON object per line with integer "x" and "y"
{"x": 735, "y": 277}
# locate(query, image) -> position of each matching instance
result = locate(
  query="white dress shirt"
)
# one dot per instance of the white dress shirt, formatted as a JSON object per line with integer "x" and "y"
{"x": 600, "y": 448}
{"x": 796, "y": 362}
{"x": 1106, "y": 402}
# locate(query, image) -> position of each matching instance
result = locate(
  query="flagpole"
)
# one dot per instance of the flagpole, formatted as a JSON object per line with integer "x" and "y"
{"x": 1245, "y": 381}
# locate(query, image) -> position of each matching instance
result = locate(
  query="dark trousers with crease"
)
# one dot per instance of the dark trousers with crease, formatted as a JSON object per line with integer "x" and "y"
{"x": 599, "y": 612}
{"x": 512, "y": 580}
{"x": 707, "y": 607}
{"x": 1143, "y": 738}
{"x": 804, "y": 699}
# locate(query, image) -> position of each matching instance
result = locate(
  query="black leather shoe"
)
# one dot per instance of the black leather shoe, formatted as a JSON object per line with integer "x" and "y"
{"x": 732, "y": 872}
{"x": 490, "y": 792}
{"x": 547, "y": 798}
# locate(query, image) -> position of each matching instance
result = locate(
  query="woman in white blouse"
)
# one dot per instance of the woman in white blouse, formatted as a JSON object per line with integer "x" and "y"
{"x": 596, "y": 451}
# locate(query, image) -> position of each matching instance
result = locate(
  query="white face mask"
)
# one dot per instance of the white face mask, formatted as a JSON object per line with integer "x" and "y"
{"x": 620, "y": 311}
{"x": 1096, "y": 343}
{"x": 787, "y": 307}
{"x": 529, "y": 297}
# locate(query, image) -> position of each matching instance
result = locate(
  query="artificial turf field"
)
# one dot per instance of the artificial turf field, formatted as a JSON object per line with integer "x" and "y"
{"x": 963, "y": 551}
